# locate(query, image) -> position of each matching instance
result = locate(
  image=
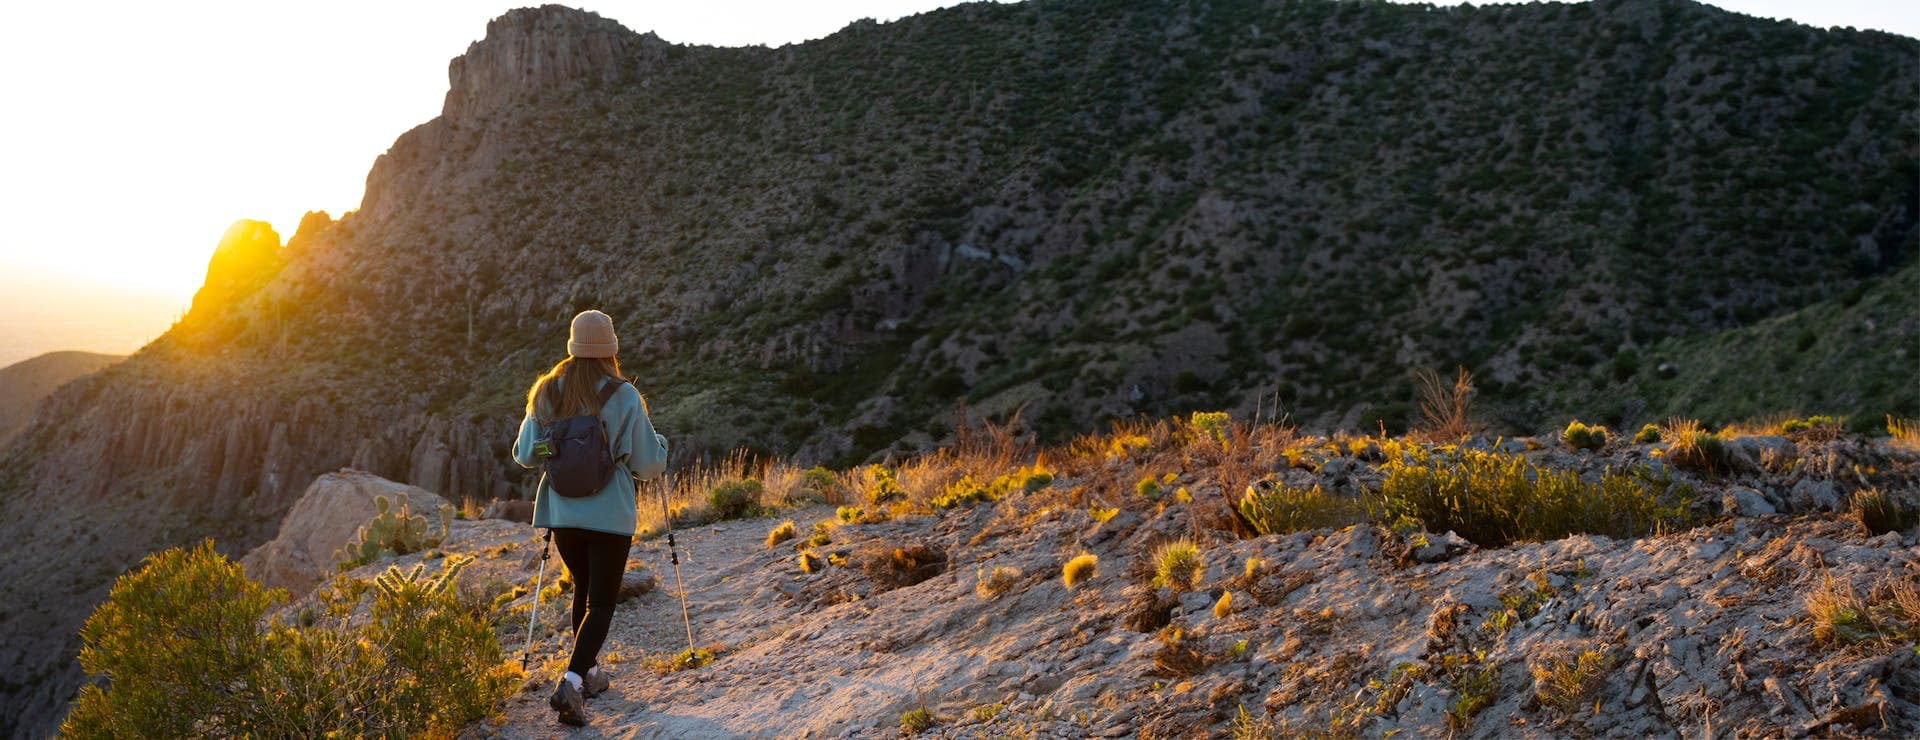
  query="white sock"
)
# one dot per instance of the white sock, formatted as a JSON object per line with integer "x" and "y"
{"x": 574, "y": 678}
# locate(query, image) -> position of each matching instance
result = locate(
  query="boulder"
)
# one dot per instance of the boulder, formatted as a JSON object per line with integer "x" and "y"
{"x": 327, "y": 516}
{"x": 1745, "y": 502}
{"x": 511, "y": 510}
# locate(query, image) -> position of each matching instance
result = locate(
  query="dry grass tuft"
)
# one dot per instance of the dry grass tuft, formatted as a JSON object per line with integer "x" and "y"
{"x": 1177, "y": 658}
{"x": 899, "y": 567}
{"x": 1890, "y": 614}
{"x": 1905, "y": 433}
{"x": 1566, "y": 683}
{"x": 1690, "y": 447}
{"x": 1446, "y": 409}
{"x": 1880, "y": 512}
{"x": 996, "y": 583}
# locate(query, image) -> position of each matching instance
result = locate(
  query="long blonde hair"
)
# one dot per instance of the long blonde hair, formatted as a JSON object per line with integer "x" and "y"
{"x": 579, "y": 395}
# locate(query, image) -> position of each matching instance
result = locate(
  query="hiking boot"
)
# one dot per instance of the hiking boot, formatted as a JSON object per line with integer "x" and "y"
{"x": 567, "y": 701}
{"x": 593, "y": 684}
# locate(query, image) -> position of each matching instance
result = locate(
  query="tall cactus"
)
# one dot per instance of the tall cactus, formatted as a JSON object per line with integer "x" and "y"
{"x": 393, "y": 531}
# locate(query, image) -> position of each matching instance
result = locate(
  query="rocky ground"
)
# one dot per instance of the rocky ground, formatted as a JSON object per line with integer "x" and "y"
{"x": 1715, "y": 630}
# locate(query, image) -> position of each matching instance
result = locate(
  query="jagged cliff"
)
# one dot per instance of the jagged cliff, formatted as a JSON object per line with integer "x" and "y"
{"x": 1092, "y": 208}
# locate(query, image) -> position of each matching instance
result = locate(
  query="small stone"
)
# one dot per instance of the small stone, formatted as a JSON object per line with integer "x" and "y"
{"x": 635, "y": 583}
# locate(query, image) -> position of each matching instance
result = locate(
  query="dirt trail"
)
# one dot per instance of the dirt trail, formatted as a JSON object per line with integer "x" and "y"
{"x": 716, "y": 564}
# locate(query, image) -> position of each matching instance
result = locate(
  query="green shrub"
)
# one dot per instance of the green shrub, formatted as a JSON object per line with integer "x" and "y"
{"x": 394, "y": 530}
{"x": 1214, "y": 425}
{"x": 186, "y": 654}
{"x": 735, "y": 499}
{"x": 1649, "y": 434}
{"x": 1271, "y": 507}
{"x": 1177, "y": 565}
{"x": 880, "y": 487}
{"x": 1079, "y": 570}
{"x": 1584, "y": 437}
{"x": 849, "y": 514}
{"x": 917, "y": 721}
{"x": 820, "y": 480}
{"x": 172, "y": 637}
{"x": 810, "y": 562}
{"x": 1494, "y": 499}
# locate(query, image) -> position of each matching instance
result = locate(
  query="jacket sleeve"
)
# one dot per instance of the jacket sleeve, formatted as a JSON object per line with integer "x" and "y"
{"x": 523, "y": 445}
{"x": 644, "y": 450}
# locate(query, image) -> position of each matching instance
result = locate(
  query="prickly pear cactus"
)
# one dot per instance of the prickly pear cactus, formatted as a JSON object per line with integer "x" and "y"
{"x": 394, "y": 530}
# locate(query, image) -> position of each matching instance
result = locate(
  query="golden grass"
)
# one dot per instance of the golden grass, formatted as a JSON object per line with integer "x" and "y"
{"x": 1079, "y": 570}
{"x": 1889, "y": 614}
{"x": 1905, "y": 433}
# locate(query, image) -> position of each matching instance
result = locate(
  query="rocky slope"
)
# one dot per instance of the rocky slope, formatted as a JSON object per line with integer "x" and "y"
{"x": 1091, "y": 208}
{"x": 23, "y": 384}
{"x": 1353, "y": 632}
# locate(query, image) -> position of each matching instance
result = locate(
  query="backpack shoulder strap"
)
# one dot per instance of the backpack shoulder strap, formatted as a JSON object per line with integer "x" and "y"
{"x": 606, "y": 393}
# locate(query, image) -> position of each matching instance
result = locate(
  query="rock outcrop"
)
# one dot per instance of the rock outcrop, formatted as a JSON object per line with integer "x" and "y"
{"x": 326, "y": 517}
{"x": 246, "y": 257}
{"x": 530, "y": 50}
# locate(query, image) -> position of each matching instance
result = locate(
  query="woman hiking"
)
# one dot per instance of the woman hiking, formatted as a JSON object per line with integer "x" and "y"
{"x": 589, "y": 516}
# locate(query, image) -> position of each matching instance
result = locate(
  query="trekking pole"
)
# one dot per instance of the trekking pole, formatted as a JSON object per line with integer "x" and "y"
{"x": 534, "y": 613}
{"x": 673, "y": 555}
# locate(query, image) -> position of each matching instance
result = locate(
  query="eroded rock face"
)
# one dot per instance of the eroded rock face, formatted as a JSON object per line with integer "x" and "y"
{"x": 327, "y": 516}
{"x": 529, "y": 49}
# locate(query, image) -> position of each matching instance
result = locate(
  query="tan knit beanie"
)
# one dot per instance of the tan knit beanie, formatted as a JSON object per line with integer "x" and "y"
{"x": 592, "y": 336}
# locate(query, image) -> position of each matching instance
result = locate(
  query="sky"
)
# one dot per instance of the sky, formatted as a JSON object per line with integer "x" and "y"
{"x": 134, "y": 133}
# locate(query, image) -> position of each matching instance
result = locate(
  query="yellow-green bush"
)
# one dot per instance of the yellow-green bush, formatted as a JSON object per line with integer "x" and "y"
{"x": 879, "y": 485}
{"x": 1494, "y": 499}
{"x": 1584, "y": 436}
{"x": 1271, "y": 507}
{"x": 181, "y": 642}
{"x": 1213, "y": 425}
{"x": 969, "y": 491}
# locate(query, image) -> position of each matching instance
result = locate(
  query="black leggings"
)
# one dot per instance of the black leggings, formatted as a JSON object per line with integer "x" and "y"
{"x": 597, "y": 561}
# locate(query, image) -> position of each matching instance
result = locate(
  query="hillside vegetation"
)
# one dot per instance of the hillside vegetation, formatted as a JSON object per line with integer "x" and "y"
{"x": 1189, "y": 577}
{"x": 1086, "y": 209}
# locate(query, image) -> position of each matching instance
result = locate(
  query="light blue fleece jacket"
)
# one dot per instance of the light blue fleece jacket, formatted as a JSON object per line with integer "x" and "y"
{"x": 635, "y": 446}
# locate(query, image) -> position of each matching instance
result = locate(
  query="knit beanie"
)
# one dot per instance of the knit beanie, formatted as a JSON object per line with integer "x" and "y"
{"x": 592, "y": 336}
